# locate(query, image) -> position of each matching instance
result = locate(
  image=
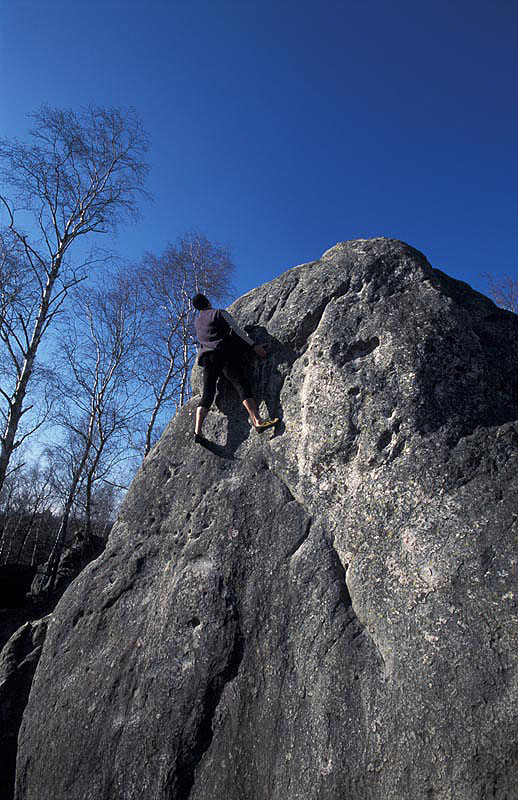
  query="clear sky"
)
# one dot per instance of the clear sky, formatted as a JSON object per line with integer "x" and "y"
{"x": 282, "y": 127}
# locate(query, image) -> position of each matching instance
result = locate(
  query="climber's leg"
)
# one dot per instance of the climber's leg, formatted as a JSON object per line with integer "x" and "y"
{"x": 232, "y": 371}
{"x": 211, "y": 367}
{"x": 253, "y": 412}
{"x": 201, "y": 413}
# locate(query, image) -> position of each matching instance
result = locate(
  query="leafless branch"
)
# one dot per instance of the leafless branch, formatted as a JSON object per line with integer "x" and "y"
{"x": 504, "y": 291}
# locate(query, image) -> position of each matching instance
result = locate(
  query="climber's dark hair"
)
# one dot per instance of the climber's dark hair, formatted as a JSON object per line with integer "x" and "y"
{"x": 200, "y": 302}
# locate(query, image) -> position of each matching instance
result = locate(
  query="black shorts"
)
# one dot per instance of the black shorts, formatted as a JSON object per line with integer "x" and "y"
{"x": 219, "y": 362}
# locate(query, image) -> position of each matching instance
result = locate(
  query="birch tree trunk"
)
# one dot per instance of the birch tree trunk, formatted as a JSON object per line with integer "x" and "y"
{"x": 16, "y": 402}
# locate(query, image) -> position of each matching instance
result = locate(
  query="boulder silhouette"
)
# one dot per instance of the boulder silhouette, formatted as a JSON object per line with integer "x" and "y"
{"x": 326, "y": 613}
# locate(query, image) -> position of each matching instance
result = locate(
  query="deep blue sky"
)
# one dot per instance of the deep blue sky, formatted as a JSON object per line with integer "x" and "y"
{"x": 281, "y": 128}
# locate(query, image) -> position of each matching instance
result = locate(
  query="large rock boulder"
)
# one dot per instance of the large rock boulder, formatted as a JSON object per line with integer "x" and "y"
{"x": 22, "y": 631}
{"x": 18, "y": 660}
{"x": 330, "y": 613}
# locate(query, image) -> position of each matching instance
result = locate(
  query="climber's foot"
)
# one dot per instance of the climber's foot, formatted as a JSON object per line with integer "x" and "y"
{"x": 267, "y": 423}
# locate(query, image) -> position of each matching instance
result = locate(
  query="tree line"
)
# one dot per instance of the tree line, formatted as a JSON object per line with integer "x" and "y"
{"x": 95, "y": 355}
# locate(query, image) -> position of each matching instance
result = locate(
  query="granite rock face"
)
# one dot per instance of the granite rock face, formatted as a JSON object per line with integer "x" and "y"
{"x": 18, "y": 660}
{"x": 329, "y": 613}
{"x": 22, "y": 631}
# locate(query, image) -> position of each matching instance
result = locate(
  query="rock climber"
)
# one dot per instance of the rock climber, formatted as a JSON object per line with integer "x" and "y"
{"x": 219, "y": 354}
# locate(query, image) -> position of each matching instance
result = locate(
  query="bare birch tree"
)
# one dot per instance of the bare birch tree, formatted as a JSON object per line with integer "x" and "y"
{"x": 80, "y": 175}
{"x": 193, "y": 264}
{"x": 504, "y": 291}
{"x": 99, "y": 347}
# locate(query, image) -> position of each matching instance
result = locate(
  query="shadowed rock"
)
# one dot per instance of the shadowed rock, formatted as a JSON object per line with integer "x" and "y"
{"x": 22, "y": 631}
{"x": 18, "y": 661}
{"x": 326, "y": 614}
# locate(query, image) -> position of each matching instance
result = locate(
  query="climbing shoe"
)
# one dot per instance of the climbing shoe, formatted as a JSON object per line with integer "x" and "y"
{"x": 199, "y": 439}
{"x": 269, "y": 423}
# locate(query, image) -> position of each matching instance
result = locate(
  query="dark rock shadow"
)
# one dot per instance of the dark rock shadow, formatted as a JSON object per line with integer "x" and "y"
{"x": 217, "y": 449}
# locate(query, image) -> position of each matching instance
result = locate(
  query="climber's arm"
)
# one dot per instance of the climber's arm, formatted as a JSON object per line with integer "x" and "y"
{"x": 257, "y": 348}
{"x": 237, "y": 330}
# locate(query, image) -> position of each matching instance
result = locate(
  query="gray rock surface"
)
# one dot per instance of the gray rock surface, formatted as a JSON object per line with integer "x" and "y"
{"x": 22, "y": 631}
{"x": 330, "y": 613}
{"x": 18, "y": 661}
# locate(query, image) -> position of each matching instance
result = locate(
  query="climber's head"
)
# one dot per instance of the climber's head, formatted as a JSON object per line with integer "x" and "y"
{"x": 200, "y": 302}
